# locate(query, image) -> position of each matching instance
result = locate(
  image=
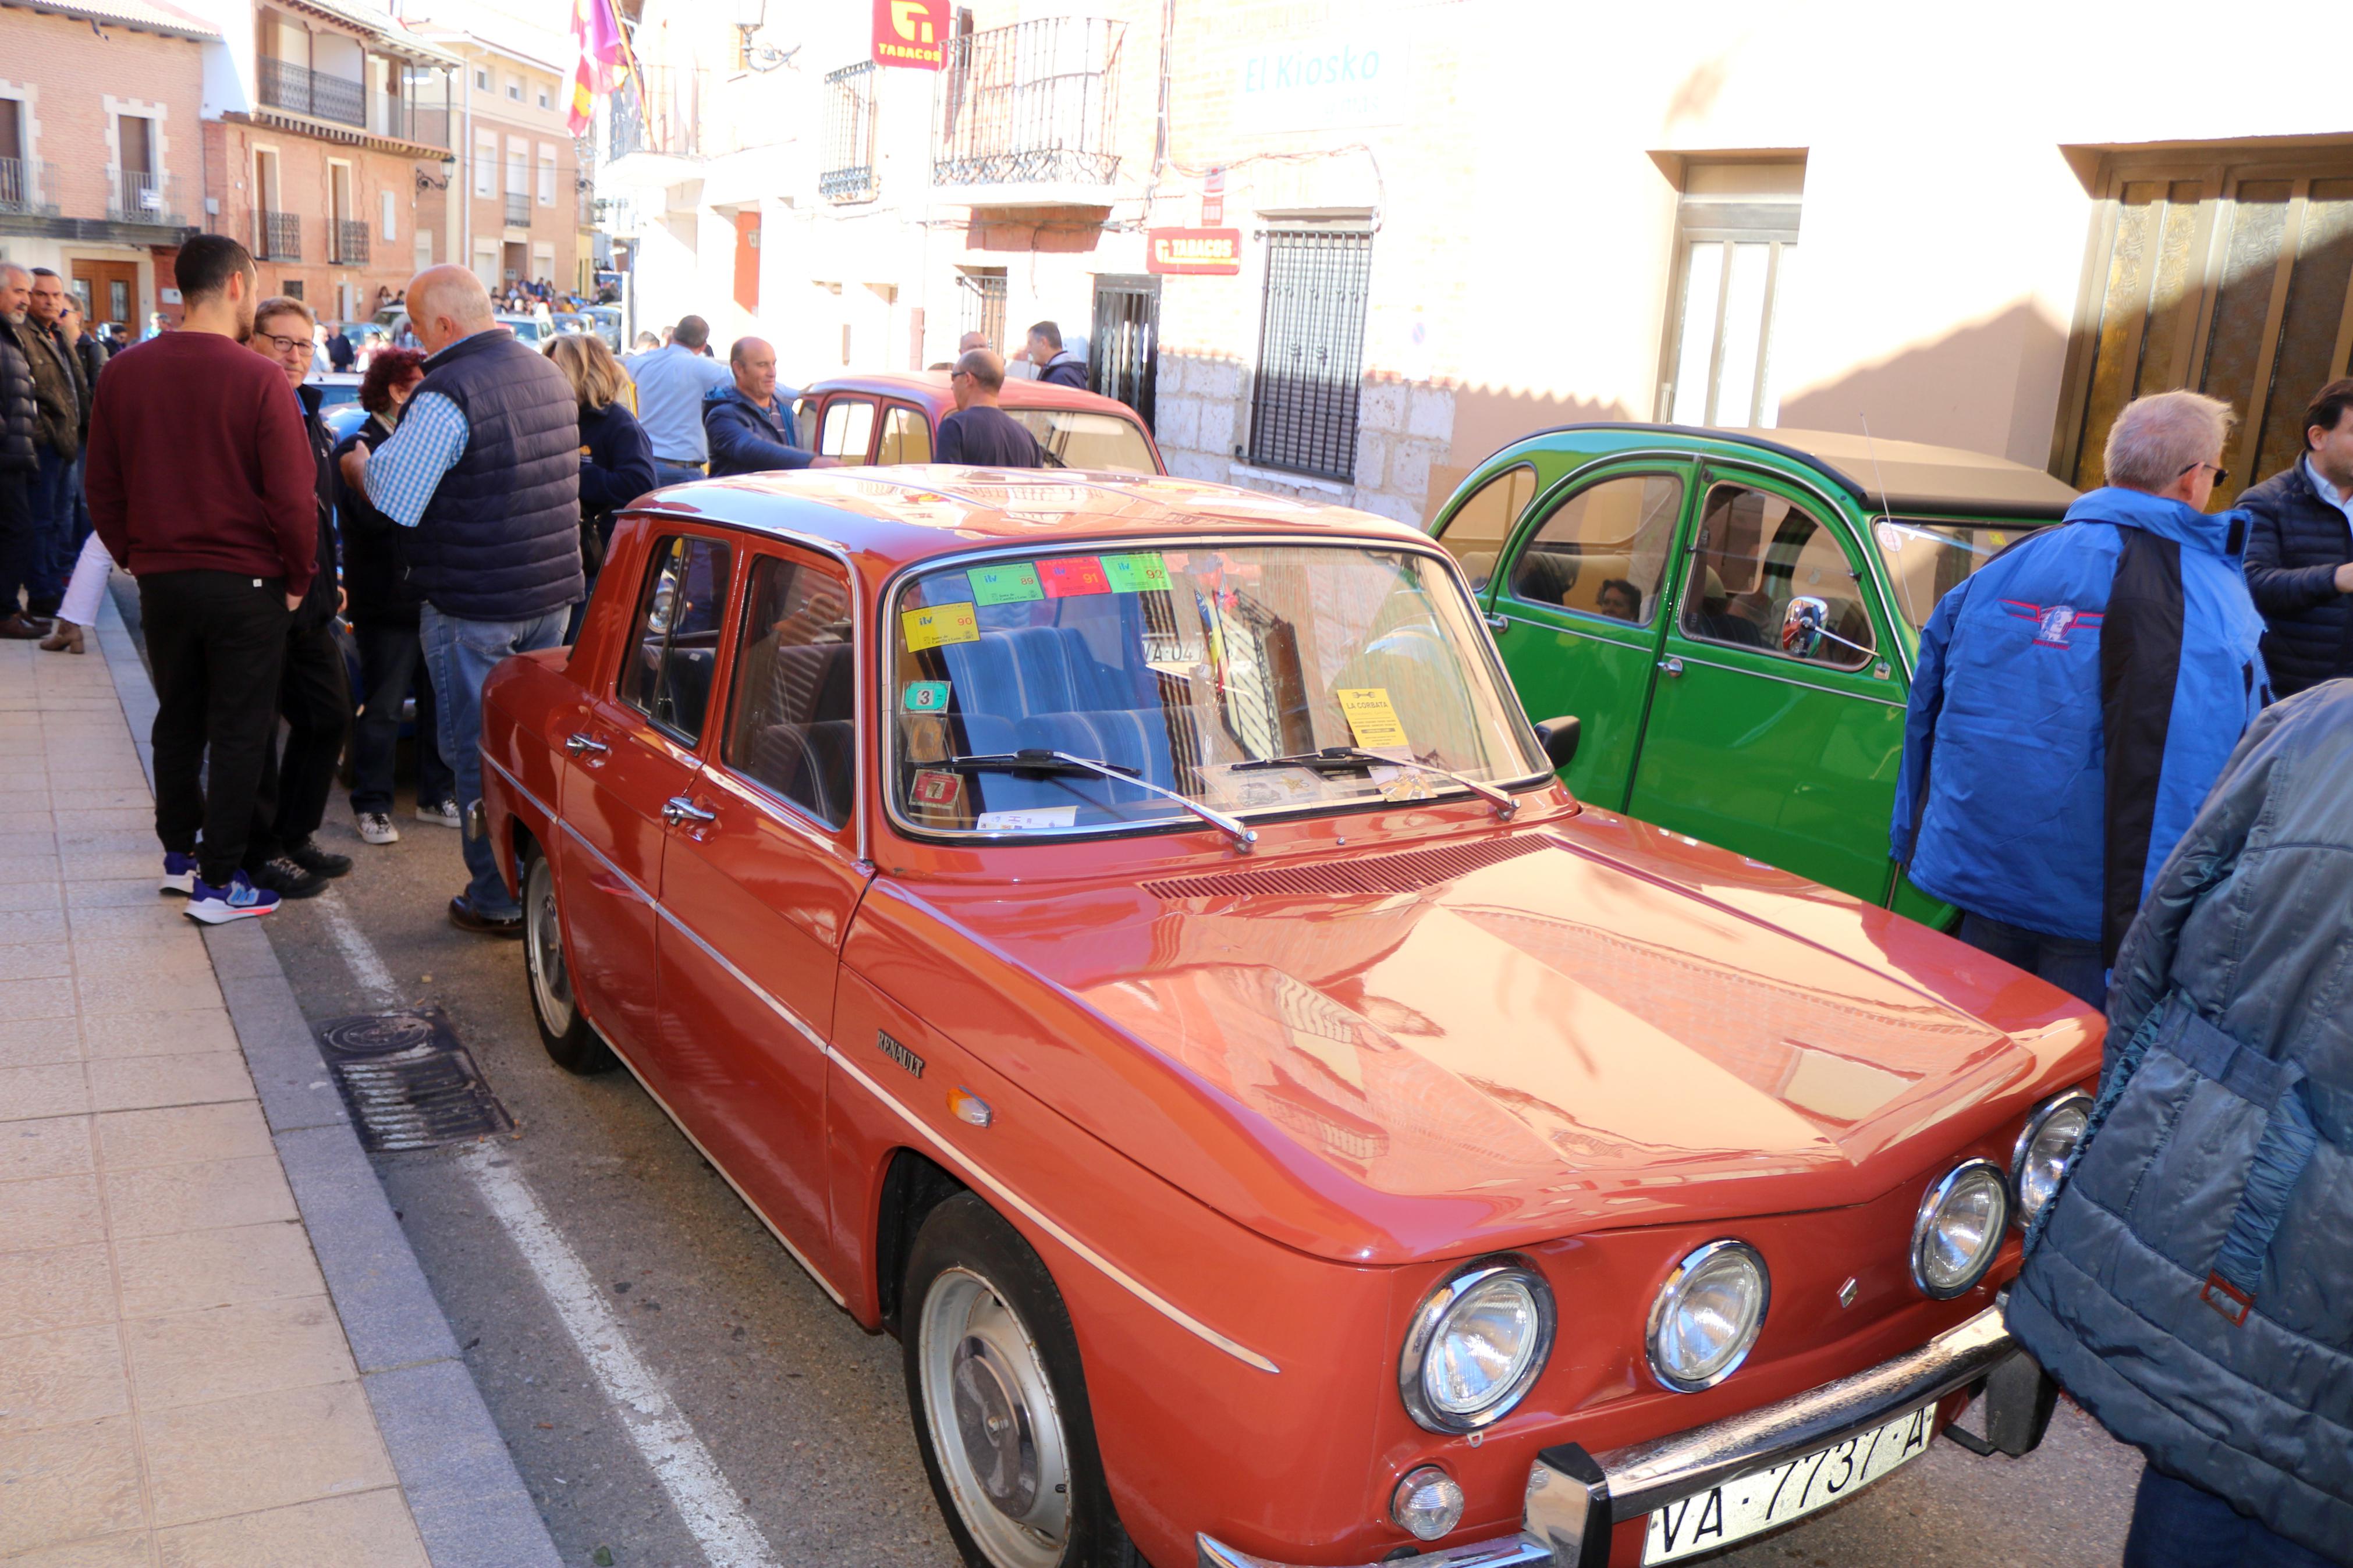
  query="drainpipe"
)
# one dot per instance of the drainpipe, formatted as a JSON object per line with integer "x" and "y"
{"x": 465, "y": 257}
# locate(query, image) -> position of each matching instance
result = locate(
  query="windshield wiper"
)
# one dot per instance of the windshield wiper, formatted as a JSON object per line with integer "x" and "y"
{"x": 1041, "y": 760}
{"x": 1351, "y": 759}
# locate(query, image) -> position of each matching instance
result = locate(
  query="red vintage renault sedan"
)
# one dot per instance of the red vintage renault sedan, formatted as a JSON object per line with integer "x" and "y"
{"x": 1123, "y": 938}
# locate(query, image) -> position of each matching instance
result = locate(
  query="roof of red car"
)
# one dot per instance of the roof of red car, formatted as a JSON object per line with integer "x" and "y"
{"x": 931, "y": 388}
{"x": 897, "y": 515}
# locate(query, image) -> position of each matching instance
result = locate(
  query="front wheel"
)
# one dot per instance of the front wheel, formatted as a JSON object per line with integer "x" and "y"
{"x": 570, "y": 1042}
{"x": 1000, "y": 1401}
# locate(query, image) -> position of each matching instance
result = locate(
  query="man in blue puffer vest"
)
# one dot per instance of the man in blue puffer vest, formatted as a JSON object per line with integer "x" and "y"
{"x": 2191, "y": 1286}
{"x": 2075, "y": 699}
{"x": 483, "y": 477}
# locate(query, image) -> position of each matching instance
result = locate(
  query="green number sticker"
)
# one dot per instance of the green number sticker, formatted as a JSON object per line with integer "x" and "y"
{"x": 925, "y": 696}
{"x": 1012, "y": 583}
{"x": 1136, "y": 573}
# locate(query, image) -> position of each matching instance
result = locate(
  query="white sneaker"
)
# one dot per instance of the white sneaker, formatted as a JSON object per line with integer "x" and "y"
{"x": 376, "y": 827}
{"x": 440, "y": 812}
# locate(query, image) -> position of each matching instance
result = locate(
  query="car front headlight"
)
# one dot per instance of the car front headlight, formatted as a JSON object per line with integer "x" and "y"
{"x": 2043, "y": 1149}
{"x": 1707, "y": 1316}
{"x": 1477, "y": 1342}
{"x": 1960, "y": 1229}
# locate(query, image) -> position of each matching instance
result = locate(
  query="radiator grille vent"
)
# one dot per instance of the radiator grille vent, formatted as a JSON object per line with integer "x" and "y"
{"x": 1406, "y": 873}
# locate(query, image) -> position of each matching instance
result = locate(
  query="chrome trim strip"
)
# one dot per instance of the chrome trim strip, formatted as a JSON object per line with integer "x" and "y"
{"x": 541, "y": 807}
{"x": 1514, "y": 1552}
{"x": 1788, "y": 680}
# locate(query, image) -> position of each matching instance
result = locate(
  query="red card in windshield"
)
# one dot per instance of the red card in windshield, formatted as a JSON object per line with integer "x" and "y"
{"x": 1072, "y": 575}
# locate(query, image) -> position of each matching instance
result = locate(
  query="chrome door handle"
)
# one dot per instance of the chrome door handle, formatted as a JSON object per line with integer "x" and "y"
{"x": 1672, "y": 666}
{"x": 583, "y": 745}
{"x": 677, "y": 811}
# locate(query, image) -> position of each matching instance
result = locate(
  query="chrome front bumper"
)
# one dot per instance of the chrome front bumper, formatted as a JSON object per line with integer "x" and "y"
{"x": 1575, "y": 1499}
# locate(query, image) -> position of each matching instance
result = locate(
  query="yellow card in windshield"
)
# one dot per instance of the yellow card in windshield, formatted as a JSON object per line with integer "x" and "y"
{"x": 1370, "y": 718}
{"x": 940, "y": 624}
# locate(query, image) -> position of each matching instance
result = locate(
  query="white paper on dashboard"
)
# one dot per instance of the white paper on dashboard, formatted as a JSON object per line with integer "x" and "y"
{"x": 1018, "y": 821}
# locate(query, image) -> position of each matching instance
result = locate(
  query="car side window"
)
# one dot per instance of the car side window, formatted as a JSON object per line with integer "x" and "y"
{"x": 794, "y": 729}
{"x": 906, "y": 435}
{"x": 1475, "y": 534}
{"x": 1768, "y": 575}
{"x": 1603, "y": 551}
{"x": 848, "y": 429}
{"x": 673, "y": 645}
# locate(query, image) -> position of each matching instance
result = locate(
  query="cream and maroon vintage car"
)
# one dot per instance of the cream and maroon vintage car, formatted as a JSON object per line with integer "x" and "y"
{"x": 1123, "y": 938}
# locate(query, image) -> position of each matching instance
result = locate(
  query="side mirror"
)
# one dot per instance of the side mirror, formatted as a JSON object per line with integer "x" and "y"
{"x": 1803, "y": 623}
{"x": 1559, "y": 737}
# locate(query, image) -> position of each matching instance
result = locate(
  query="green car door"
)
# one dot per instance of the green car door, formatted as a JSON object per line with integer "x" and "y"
{"x": 1776, "y": 720}
{"x": 1576, "y": 610}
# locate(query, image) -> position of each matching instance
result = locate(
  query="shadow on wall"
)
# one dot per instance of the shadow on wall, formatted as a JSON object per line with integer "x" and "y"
{"x": 1489, "y": 418}
{"x": 1990, "y": 385}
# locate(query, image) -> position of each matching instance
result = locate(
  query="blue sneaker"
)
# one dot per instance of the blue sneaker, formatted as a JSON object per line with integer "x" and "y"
{"x": 239, "y": 900}
{"x": 179, "y": 874}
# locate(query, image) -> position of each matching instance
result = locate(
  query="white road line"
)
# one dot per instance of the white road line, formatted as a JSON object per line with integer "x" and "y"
{"x": 375, "y": 980}
{"x": 696, "y": 1488}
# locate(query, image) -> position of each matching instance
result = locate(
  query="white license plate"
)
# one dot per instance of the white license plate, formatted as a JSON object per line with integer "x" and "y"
{"x": 1762, "y": 1499}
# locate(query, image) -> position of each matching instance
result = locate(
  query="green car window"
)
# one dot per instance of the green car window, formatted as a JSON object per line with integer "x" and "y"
{"x": 1927, "y": 559}
{"x": 1604, "y": 550}
{"x": 1770, "y": 576}
{"x": 1475, "y": 534}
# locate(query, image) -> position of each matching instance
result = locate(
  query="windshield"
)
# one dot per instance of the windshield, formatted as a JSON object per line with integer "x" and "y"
{"x": 1180, "y": 667}
{"x": 1927, "y": 559}
{"x": 1103, "y": 441}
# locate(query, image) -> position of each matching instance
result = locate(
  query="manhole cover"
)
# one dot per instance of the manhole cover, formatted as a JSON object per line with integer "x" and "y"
{"x": 408, "y": 1082}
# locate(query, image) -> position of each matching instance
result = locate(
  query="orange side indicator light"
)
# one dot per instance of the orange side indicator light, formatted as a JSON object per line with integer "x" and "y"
{"x": 968, "y": 1107}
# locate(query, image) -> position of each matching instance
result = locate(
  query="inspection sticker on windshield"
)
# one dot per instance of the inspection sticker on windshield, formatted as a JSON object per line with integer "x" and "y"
{"x": 925, "y": 696}
{"x": 1072, "y": 576}
{"x": 1014, "y": 583}
{"x": 1370, "y": 718}
{"x": 1136, "y": 573}
{"x": 939, "y": 624}
{"x": 1036, "y": 816}
{"x": 935, "y": 791}
{"x": 1764, "y": 1500}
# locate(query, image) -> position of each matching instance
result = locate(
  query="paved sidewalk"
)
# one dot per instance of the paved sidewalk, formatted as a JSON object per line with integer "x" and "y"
{"x": 175, "y": 1386}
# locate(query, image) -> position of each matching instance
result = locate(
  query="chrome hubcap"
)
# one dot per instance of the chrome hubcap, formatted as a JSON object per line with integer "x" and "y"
{"x": 994, "y": 1422}
{"x": 551, "y": 987}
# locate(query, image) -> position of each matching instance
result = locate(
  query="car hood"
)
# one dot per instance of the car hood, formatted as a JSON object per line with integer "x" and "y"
{"x": 1532, "y": 1034}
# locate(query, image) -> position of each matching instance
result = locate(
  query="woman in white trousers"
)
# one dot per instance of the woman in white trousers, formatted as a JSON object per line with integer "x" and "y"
{"x": 79, "y": 608}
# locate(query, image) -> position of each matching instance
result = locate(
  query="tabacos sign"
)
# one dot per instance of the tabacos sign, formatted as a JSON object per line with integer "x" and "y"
{"x": 1204, "y": 252}
{"x": 910, "y": 33}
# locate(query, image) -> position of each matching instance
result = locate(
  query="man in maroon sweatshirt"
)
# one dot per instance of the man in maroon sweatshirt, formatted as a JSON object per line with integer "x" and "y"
{"x": 201, "y": 482}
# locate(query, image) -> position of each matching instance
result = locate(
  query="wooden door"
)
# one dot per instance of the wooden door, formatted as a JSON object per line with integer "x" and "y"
{"x": 109, "y": 292}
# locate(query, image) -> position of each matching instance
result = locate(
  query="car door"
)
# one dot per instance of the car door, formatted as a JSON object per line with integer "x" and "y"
{"x": 1575, "y": 607}
{"x": 846, "y": 429}
{"x": 761, "y": 878}
{"x": 906, "y": 435}
{"x": 1776, "y": 720}
{"x": 633, "y": 753}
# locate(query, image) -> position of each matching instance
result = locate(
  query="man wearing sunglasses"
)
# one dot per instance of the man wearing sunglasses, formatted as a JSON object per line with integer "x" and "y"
{"x": 2075, "y": 700}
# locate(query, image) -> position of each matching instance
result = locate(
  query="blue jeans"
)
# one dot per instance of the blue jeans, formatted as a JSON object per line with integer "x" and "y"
{"x": 392, "y": 661}
{"x": 2177, "y": 1525}
{"x": 669, "y": 473}
{"x": 53, "y": 543}
{"x": 2072, "y": 965}
{"x": 461, "y": 655}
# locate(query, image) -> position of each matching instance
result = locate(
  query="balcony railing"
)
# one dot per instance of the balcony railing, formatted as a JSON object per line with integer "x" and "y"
{"x": 849, "y": 171}
{"x": 25, "y": 187}
{"x": 285, "y": 85}
{"x": 351, "y": 242}
{"x": 406, "y": 120}
{"x": 277, "y": 237}
{"x": 1032, "y": 103}
{"x": 137, "y": 195}
{"x": 518, "y": 209}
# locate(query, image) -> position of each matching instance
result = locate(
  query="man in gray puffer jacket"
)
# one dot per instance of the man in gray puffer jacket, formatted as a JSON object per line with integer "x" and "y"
{"x": 2192, "y": 1284}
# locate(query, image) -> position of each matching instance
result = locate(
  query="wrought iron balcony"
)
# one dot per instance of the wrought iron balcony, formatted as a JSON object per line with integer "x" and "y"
{"x": 277, "y": 237}
{"x": 351, "y": 242}
{"x": 1033, "y": 103}
{"x": 849, "y": 171}
{"x": 403, "y": 119}
{"x": 285, "y": 85}
{"x": 25, "y": 187}
{"x": 518, "y": 209}
{"x": 136, "y": 195}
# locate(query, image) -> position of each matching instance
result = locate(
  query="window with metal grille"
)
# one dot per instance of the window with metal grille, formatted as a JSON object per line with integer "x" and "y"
{"x": 849, "y": 171}
{"x": 984, "y": 304}
{"x": 1310, "y": 351}
{"x": 2232, "y": 278}
{"x": 1735, "y": 244}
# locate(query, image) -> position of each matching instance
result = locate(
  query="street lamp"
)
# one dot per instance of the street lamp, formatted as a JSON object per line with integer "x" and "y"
{"x": 426, "y": 182}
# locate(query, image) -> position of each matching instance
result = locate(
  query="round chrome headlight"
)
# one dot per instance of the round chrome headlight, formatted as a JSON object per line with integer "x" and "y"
{"x": 1477, "y": 1342}
{"x": 1960, "y": 1229}
{"x": 2043, "y": 1148}
{"x": 1707, "y": 1316}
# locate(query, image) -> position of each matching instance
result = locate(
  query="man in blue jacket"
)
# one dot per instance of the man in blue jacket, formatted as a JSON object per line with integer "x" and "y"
{"x": 2191, "y": 1286}
{"x": 2075, "y": 699}
{"x": 748, "y": 421}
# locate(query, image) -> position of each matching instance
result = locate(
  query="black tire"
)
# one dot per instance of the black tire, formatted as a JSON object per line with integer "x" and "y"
{"x": 571, "y": 1042}
{"x": 967, "y": 1251}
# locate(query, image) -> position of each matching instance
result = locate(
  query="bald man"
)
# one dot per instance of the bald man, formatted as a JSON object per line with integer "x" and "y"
{"x": 484, "y": 473}
{"x": 748, "y": 421}
{"x": 972, "y": 340}
{"x": 979, "y": 433}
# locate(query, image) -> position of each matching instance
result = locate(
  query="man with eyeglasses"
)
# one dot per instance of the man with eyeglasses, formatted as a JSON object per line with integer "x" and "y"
{"x": 2076, "y": 699}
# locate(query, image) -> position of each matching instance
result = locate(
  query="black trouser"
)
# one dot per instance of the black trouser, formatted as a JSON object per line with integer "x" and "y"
{"x": 391, "y": 660}
{"x": 218, "y": 642}
{"x": 315, "y": 700}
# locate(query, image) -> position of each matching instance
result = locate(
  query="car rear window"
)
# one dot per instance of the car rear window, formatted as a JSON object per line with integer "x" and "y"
{"x": 1928, "y": 557}
{"x": 1080, "y": 440}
